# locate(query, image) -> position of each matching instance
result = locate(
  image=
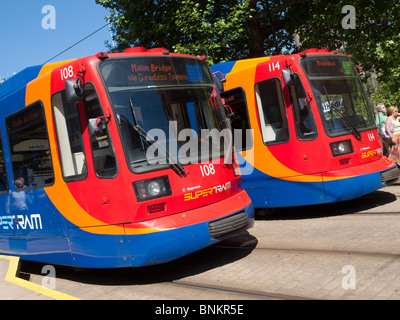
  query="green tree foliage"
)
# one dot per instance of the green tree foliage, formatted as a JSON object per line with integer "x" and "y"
{"x": 216, "y": 28}
{"x": 374, "y": 42}
{"x": 236, "y": 29}
{"x": 222, "y": 29}
{"x": 147, "y": 23}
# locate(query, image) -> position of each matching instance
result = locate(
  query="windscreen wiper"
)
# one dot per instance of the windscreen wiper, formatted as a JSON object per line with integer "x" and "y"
{"x": 178, "y": 168}
{"x": 343, "y": 117}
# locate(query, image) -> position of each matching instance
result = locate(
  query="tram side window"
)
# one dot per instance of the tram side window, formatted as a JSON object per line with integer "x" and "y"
{"x": 306, "y": 128}
{"x": 236, "y": 99}
{"x": 104, "y": 160}
{"x": 271, "y": 110}
{"x": 3, "y": 172}
{"x": 69, "y": 136}
{"x": 30, "y": 147}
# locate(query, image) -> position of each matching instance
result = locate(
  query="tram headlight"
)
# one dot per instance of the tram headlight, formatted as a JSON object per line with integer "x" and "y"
{"x": 340, "y": 148}
{"x": 152, "y": 188}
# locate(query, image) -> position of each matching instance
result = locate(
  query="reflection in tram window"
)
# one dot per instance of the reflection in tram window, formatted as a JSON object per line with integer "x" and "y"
{"x": 105, "y": 162}
{"x": 236, "y": 100}
{"x": 3, "y": 173}
{"x": 271, "y": 109}
{"x": 306, "y": 128}
{"x": 69, "y": 138}
{"x": 29, "y": 147}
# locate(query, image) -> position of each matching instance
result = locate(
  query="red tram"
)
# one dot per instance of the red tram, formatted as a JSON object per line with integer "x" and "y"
{"x": 314, "y": 136}
{"x": 102, "y": 164}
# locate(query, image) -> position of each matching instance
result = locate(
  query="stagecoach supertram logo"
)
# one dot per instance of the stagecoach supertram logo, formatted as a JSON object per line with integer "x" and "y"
{"x": 24, "y": 222}
{"x": 369, "y": 154}
{"x": 206, "y": 192}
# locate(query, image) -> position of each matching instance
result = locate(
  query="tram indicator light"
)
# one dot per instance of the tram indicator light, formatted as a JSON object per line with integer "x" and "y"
{"x": 345, "y": 161}
{"x": 156, "y": 208}
{"x": 102, "y": 55}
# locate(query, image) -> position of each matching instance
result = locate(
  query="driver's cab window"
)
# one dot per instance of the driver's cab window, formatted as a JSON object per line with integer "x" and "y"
{"x": 69, "y": 138}
{"x": 236, "y": 100}
{"x": 271, "y": 110}
{"x": 306, "y": 128}
{"x": 104, "y": 160}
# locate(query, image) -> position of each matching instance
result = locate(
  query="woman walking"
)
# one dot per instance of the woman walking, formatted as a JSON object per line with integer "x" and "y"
{"x": 391, "y": 124}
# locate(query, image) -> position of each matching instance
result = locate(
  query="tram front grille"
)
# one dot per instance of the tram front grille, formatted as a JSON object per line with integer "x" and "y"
{"x": 226, "y": 225}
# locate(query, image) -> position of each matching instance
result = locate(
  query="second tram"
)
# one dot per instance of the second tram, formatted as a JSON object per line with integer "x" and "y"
{"x": 314, "y": 138}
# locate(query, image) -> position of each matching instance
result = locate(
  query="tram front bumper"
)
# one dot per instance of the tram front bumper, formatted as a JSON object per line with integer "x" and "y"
{"x": 195, "y": 230}
{"x": 361, "y": 180}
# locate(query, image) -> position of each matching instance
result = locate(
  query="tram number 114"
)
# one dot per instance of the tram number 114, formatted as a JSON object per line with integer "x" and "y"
{"x": 274, "y": 66}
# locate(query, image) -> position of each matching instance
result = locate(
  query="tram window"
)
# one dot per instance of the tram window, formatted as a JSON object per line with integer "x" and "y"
{"x": 69, "y": 136}
{"x": 236, "y": 99}
{"x": 304, "y": 119}
{"x": 3, "y": 172}
{"x": 30, "y": 147}
{"x": 271, "y": 110}
{"x": 105, "y": 163}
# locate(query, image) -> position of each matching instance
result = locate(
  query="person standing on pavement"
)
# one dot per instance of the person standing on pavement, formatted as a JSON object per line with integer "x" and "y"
{"x": 380, "y": 120}
{"x": 381, "y": 116}
{"x": 391, "y": 123}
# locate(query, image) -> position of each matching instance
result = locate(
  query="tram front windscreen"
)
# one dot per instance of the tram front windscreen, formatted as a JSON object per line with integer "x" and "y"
{"x": 170, "y": 100}
{"x": 342, "y": 102}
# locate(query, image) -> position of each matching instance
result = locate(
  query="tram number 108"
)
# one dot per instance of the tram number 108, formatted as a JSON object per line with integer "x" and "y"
{"x": 207, "y": 169}
{"x": 67, "y": 73}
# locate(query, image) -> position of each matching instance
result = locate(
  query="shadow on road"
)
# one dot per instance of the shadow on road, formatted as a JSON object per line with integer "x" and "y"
{"x": 195, "y": 263}
{"x": 367, "y": 202}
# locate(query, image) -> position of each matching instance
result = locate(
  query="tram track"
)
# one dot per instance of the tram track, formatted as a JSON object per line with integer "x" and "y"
{"x": 309, "y": 250}
{"x": 376, "y": 213}
{"x": 219, "y": 292}
{"x": 295, "y": 281}
{"x": 244, "y": 293}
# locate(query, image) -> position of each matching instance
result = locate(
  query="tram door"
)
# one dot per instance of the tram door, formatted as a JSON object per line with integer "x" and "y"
{"x": 89, "y": 157}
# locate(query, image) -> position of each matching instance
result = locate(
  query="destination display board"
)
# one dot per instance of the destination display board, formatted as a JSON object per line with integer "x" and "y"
{"x": 154, "y": 71}
{"x": 327, "y": 66}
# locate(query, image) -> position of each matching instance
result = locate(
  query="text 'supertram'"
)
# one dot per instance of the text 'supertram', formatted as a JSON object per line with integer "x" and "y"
{"x": 314, "y": 136}
{"x": 103, "y": 161}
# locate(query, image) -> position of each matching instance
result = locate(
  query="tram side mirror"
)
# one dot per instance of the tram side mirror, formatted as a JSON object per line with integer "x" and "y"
{"x": 228, "y": 110}
{"x": 219, "y": 82}
{"x": 74, "y": 90}
{"x": 307, "y": 101}
{"x": 97, "y": 126}
{"x": 288, "y": 77}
